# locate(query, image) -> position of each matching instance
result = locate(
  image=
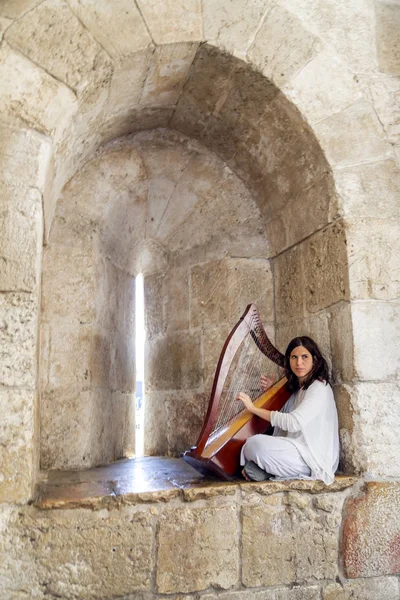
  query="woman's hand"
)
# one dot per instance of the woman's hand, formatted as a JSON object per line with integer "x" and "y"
{"x": 246, "y": 401}
{"x": 266, "y": 382}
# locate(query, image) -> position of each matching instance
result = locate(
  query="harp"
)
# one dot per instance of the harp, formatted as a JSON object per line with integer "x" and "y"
{"x": 247, "y": 353}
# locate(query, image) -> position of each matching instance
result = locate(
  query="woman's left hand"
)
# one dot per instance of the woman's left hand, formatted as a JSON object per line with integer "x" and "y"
{"x": 246, "y": 401}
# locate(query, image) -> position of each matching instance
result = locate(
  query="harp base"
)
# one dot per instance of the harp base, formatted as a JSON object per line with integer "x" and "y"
{"x": 206, "y": 466}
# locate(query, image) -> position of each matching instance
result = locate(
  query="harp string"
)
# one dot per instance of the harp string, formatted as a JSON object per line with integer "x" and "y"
{"x": 245, "y": 376}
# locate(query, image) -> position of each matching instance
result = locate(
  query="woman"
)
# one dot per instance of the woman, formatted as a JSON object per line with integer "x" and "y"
{"x": 305, "y": 443}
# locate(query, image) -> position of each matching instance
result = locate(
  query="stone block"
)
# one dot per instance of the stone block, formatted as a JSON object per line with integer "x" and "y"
{"x": 387, "y": 15}
{"x": 24, "y": 157}
{"x": 176, "y": 292}
{"x": 68, "y": 356}
{"x": 18, "y": 333}
{"x": 376, "y": 329}
{"x": 323, "y": 87}
{"x": 375, "y": 431}
{"x": 82, "y": 429}
{"x": 325, "y": 266}
{"x": 185, "y": 417}
{"x": 118, "y": 28}
{"x": 371, "y": 530}
{"x": 126, "y": 85}
{"x": 169, "y": 70}
{"x": 303, "y": 592}
{"x": 221, "y": 290}
{"x": 107, "y": 544}
{"x": 213, "y": 340}
{"x": 213, "y": 556}
{"x": 341, "y": 336}
{"x": 174, "y": 362}
{"x": 52, "y": 25}
{"x": 155, "y": 423}
{"x": 385, "y": 94}
{"x": 4, "y": 24}
{"x": 17, "y": 453}
{"x": 231, "y": 25}
{"x": 21, "y": 224}
{"x": 364, "y": 589}
{"x": 301, "y": 542}
{"x": 30, "y": 94}
{"x": 374, "y": 254}
{"x": 135, "y": 120}
{"x": 353, "y": 136}
{"x": 170, "y": 21}
{"x": 68, "y": 285}
{"x": 288, "y": 274}
{"x": 371, "y": 190}
{"x": 282, "y": 46}
{"x": 13, "y": 9}
{"x": 306, "y": 212}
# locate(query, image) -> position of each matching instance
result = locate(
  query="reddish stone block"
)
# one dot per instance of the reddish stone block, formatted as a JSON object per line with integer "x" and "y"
{"x": 371, "y": 531}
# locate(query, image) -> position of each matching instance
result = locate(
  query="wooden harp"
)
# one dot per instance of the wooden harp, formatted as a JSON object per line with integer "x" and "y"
{"x": 247, "y": 353}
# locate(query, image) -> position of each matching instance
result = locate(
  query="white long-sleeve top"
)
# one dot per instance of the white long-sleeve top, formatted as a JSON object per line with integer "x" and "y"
{"x": 309, "y": 421}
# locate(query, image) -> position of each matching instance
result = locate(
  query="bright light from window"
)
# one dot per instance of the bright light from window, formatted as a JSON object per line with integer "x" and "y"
{"x": 139, "y": 343}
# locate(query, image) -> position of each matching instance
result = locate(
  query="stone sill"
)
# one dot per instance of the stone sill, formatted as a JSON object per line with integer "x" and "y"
{"x": 154, "y": 479}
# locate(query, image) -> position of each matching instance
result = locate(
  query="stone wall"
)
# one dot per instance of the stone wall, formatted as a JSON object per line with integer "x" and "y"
{"x": 276, "y": 541}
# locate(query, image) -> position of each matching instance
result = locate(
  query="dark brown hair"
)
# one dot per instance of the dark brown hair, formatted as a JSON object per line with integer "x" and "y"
{"x": 320, "y": 368}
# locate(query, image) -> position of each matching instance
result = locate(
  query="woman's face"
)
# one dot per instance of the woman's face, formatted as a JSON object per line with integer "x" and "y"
{"x": 301, "y": 362}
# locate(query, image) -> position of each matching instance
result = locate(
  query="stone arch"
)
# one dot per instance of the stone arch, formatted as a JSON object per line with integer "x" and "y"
{"x": 51, "y": 119}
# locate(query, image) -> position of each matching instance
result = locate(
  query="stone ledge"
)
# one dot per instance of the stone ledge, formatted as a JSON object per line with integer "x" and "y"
{"x": 152, "y": 480}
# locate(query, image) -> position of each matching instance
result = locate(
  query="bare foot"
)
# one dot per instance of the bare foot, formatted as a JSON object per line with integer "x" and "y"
{"x": 245, "y": 475}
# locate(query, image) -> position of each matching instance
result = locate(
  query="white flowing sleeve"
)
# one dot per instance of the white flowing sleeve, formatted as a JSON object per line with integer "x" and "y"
{"x": 285, "y": 421}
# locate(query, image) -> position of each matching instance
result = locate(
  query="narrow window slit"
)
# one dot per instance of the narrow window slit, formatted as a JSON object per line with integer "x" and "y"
{"x": 140, "y": 336}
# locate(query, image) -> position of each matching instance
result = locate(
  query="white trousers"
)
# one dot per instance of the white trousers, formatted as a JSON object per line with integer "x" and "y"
{"x": 276, "y": 455}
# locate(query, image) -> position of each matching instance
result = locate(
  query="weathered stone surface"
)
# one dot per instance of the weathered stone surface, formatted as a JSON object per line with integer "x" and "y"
{"x": 221, "y": 290}
{"x": 284, "y": 593}
{"x": 167, "y": 74}
{"x": 106, "y": 543}
{"x": 21, "y": 225}
{"x": 376, "y": 328}
{"x": 282, "y": 46}
{"x": 155, "y": 423}
{"x": 214, "y": 552}
{"x": 32, "y": 95}
{"x": 4, "y": 24}
{"x": 365, "y": 589}
{"x": 385, "y": 93}
{"x": 18, "y": 329}
{"x": 171, "y": 21}
{"x": 68, "y": 285}
{"x": 302, "y": 541}
{"x": 174, "y": 362}
{"x": 371, "y": 532}
{"x": 185, "y": 417}
{"x": 325, "y": 268}
{"x": 135, "y": 120}
{"x": 376, "y": 420}
{"x": 374, "y": 255}
{"x": 323, "y": 87}
{"x": 341, "y": 336}
{"x": 347, "y": 28}
{"x": 24, "y": 157}
{"x": 353, "y": 136}
{"x": 307, "y": 212}
{"x": 53, "y": 25}
{"x": 17, "y": 453}
{"x": 126, "y": 85}
{"x": 288, "y": 273}
{"x": 387, "y": 15}
{"x": 232, "y": 25}
{"x": 119, "y": 28}
{"x": 368, "y": 191}
{"x": 13, "y": 9}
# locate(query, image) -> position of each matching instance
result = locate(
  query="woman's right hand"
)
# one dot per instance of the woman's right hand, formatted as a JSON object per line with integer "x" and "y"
{"x": 266, "y": 382}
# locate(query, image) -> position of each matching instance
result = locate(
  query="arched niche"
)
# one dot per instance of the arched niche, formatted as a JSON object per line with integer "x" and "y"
{"x": 231, "y": 202}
